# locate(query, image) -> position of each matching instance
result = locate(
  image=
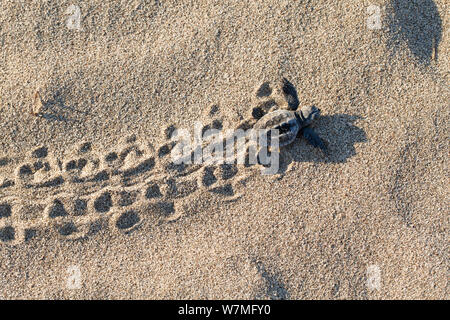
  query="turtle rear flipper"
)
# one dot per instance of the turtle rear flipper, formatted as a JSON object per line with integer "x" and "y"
{"x": 313, "y": 139}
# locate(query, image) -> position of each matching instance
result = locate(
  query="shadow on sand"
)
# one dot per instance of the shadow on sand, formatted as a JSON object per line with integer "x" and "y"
{"x": 342, "y": 135}
{"x": 418, "y": 24}
{"x": 56, "y": 109}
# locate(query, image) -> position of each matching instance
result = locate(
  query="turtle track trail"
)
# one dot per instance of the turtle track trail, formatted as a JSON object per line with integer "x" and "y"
{"x": 73, "y": 197}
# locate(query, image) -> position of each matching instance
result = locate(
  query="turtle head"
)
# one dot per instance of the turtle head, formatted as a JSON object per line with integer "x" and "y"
{"x": 309, "y": 114}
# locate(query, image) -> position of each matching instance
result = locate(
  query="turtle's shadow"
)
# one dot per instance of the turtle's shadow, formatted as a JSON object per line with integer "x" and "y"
{"x": 418, "y": 24}
{"x": 340, "y": 135}
{"x": 56, "y": 109}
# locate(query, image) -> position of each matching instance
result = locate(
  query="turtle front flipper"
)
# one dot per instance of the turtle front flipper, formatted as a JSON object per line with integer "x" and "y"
{"x": 290, "y": 93}
{"x": 313, "y": 139}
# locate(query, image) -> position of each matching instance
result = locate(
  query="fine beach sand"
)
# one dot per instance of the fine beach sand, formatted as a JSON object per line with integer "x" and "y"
{"x": 87, "y": 188}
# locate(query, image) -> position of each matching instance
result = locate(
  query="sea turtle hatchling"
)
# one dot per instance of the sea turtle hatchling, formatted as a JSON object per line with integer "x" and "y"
{"x": 290, "y": 123}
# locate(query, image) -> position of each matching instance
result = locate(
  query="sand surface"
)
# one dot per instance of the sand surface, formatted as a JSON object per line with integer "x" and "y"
{"x": 90, "y": 207}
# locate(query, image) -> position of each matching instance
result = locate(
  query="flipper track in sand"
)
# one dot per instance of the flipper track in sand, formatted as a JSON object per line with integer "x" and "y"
{"x": 72, "y": 196}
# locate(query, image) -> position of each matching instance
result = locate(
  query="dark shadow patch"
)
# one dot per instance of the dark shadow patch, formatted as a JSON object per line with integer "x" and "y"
{"x": 418, "y": 24}
{"x": 145, "y": 166}
{"x": 5, "y": 210}
{"x": 165, "y": 149}
{"x": 126, "y": 198}
{"x": 25, "y": 171}
{"x": 7, "y": 234}
{"x": 81, "y": 163}
{"x": 245, "y": 125}
{"x": 76, "y": 164}
{"x": 344, "y": 136}
{"x": 56, "y": 110}
{"x": 40, "y": 153}
{"x": 169, "y": 131}
{"x": 4, "y": 161}
{"x": 172, "y": 167}
{"x": 125, "y": 153}
{"x": 127, "y": 220}
{"x": 264, "y": 90}
{"x": 184, "y": 188}
{"x": 209, "y": 178}
{"x": 275, "y": 289}
{"x": 103, "y": 203}
{"x": 214, "y": 110}
{"x": 128, "y": 150}
{"x": 80, "y": 207}
{"x": 6, "y": 184}
{"x": 85, "y": 147}
{"x": 166, "y": 208}
{"x": 71, "y": 165}
{"x": 226, "y": 190}
{"x": 101, "y": 176}
{"x": 38, "y": 165}
{"x": 171, "y": 188}
{"x": 55, "y": 117}
{"x": 57, "y": 209}
{"x": 131, "y": 139}
{"x": 153, "y": 191}
{"x": 112, "y": 156}
{"x": 52, "y": 183}
{"x": 228, "y": 170}
{"x": 267, "y": 105}
{"x": 257, "y": 113}
{"x": 96, "y": 227}
{"x": 180, "y": 189}
{"x": 78, "y": 180}
{"x": 67, "y": 229}
{"x": 30, "y": 234}
{"x": 217, "y": 124}
{"x": 42, "y": 165}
